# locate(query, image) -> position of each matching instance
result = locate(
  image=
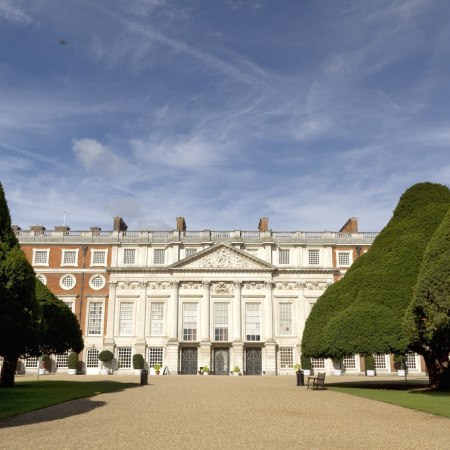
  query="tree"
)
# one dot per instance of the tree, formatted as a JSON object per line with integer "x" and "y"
{"x": 427, "y": 320}
{"x": 363, "y": 312}
{"x": 19, "y": 311}
{"x": 60, "y": 329}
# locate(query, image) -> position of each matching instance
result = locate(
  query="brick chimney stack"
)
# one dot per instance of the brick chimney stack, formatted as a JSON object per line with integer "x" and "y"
{"x": 263, "y": 224}
{"x": 38, "y": 229}
{"x": 351, "y": 226}
{"x": 181, "y": 224}
{"x": 62, "y": 228}
{"x": 119, "y": 224}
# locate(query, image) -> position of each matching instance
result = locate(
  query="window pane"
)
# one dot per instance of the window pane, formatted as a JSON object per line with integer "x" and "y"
{"x": 380, "y": 361}
{"x": 190, "y": 321}
{"x": 313, "y": 257}
{"x": 70, "y": 257}
{"x": 283, "y": 256}
{"x": 129, "y": 255}
{"x": 126, "y": 317}
{"x": 221, "y": 321}
{"x": 317, "y": 363}
{"x": 98, "y": 257}
{"x": 40, "y": 257}
{"x": 158, "y": 256}
{"x": 350, "y": 362}
{"x": 124, "y": 357}
{"x": 95, "y": 318}
{"x": 286, "y": 357}
{"x": 157, "y": 319}
{"x": 190, "y": 252}
{"x": 253, "y": 321}
{"x": 411, "y": 360}
{"x": 92, "y": 358}
{"x": 285, "y": 319}
{"x": 62, "y": 360}
{"x": 344, "y": 259}
{"x": 155, "y": 356}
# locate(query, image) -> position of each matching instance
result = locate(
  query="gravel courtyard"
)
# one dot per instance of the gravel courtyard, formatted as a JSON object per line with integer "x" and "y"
{"x": 185, "y": 412}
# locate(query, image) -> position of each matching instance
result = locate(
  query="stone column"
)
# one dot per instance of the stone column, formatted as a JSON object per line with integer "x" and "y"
{"x": 173, "y": 315}
{"x": 237, "y": 312}
{"x": 141, "y": 318}
{"x": 204, "y": 312}
{"x": 270, "y": 344}
{"x": 108, "y": 341}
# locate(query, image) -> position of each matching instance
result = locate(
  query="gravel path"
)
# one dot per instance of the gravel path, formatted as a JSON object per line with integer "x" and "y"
{"x": 185, "y": 412}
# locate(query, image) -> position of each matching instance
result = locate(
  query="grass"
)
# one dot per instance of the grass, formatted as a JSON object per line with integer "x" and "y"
{"x": 31, "y": 395}
{"x": 410, "y": 395}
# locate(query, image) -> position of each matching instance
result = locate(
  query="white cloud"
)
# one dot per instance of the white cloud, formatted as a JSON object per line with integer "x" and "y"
{"x": 12, "y": 13}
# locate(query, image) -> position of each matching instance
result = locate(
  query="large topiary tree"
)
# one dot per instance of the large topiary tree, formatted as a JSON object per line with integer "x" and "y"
{"x": 20, "y": 314}
{"x": 363, "y": 312}
{"x": 61, "y": 330}
{"x": 427, "y": 320}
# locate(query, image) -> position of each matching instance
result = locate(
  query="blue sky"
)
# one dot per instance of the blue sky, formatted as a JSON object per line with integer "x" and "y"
{"x": 306, "y": 112}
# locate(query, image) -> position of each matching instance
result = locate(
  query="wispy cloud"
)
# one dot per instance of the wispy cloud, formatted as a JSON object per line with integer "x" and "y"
{"x": 11, "y": 12}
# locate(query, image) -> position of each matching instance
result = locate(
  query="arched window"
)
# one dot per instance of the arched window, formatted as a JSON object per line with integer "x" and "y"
{"x": 92, "y": 358}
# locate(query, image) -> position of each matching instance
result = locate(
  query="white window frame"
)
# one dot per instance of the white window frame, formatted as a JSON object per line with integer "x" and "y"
{"x": 66, "y": 251}
{"x": 90, "y": 325}
{"x": 380, "y": 362}
{"x": 124, "y": 355}
{"x": 318, "y": 363}
{"x": 157, "y": 315}
{"x": 105, "y": 257}
{"x": 283, "y": 256}
{"x": 124, "y": 252}
{"x": 32, "y": 362}
{"x": 39, "y": 250}
{"x": 221, "y": 321}
{"x": 285, "y": 322}
{"x": 62, "y": 360}
{"x": 126, "y": 321}
{"x": 159, "y": 256}
{"x": 350, "y": 362}
{"x": 92, "y": 361}
{"x": 155, "y": 356}
{"x": 190, "y": 322}
{"x": 91, "y": 282}
{"x": 314, "y": 251}
{"x": 340, "y": 253}
{"x": 252, "y": 324}
{"x": 286, "y": 357}
{"x": 65, "y": 287}
{"x": 188, "y": 252}
{"x": 411, "y": 361}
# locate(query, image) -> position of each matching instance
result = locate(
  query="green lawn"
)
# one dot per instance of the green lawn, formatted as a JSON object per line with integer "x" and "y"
{"x": 413, "y": 396}
{"x": 31, "y": 395}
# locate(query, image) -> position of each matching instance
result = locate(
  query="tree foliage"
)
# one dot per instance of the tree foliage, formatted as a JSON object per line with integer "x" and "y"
{"x": 362, "y": 313}
{"x": 61, "y": 330}
{"x": 427, "y": 320}
{"x": 20, "y": 315}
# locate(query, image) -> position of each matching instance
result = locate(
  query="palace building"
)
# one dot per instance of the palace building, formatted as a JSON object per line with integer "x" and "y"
{"x": 189, "y": 299}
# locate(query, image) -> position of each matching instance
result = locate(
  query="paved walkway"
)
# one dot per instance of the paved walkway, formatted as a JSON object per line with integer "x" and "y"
{"x": 194, "y": 412}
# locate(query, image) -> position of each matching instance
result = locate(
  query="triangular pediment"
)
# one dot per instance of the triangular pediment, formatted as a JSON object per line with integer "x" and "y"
{"x": 223, "y": 257}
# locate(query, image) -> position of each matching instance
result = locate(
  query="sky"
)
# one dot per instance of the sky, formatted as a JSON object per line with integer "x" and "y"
{"x": 221, "y": 111}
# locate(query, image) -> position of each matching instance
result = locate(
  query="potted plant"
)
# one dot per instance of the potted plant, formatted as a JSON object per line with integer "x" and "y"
{"x": 370, "y": 365}
{"x": 157, "y": 368}
{"x": 205, "y": 370}
{"x": 306, "y": 365}
{"x": 236, "y": 371}
{"x": 400, "y": 365}
{"x": 138, "y": 363}
{"x": 105, "y": 356}
{"x": 297, "y": 367}
{"x": 72, "y": 363}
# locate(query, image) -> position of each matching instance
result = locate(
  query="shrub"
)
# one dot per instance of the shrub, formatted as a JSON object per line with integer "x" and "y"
{"x": 305, "y": 362}
{"x": 157, "y": 367}
{"x": 138, "y": 361}
{"x": 236, "y": 369}
{"x": 370, "y": 362}
{"x": 45, "y": 357}
{"x": 73, "y": 360}
{"x": 105, "y": 356}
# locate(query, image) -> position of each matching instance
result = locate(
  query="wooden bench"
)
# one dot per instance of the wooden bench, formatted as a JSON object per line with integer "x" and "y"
{"x": 317, "y": 382}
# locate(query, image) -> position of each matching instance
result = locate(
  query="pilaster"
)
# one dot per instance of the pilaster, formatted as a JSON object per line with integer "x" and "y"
{"x": 109, "y": 337}
{"x": 237, "y": 311}
{"x": 204, "y": 314}
{"x": 270, "y": 357}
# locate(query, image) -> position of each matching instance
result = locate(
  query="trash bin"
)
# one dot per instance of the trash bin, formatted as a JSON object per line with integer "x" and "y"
{"x": 144, "y": 377}
{"x": 300, "y": 378}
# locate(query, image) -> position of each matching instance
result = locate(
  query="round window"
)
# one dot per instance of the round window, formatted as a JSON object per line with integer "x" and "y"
{"x": 67, "y": 282}
{"x": 97, "y": 282}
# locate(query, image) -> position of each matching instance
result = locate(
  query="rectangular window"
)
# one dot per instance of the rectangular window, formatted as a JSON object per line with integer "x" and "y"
{"x": 190, "y": 252}
{"x": 98, "y": 258}
{"x": 155, "y": 356}
{"x": 380, "y": 361}
{"x": 129, "y": 256}
{"x": 343, "y": 259}
{"x": 317, "y": 363}
{"x": 95, "y": 318}
{"x": 221, "y": 321}
{"x": 69, "y": 257}
{"x": 158, "y": 256}
{"x": 70, "y": 305}
{"x": 411, "y": 360}
{"x": 62, "y": 361}
{"x": 313, "y": 257}
{"x": 31, "y": 362}
{"x": 283, "y": 256}
{"x": 124, "y": 357}
{"x": 126, "y": 318}
{"x": 157, "y": 319}
{"x": 40, "y": 257}
{"x": 190, "y": 321}
{"x": 286, "y": 357}
{"x": 253, "y": 321}
{"x": 350, "y": 362}
{"x": 285, "y": 318}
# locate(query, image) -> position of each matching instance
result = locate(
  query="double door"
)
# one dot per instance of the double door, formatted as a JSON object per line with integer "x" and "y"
{"x": 253, "y": 361}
